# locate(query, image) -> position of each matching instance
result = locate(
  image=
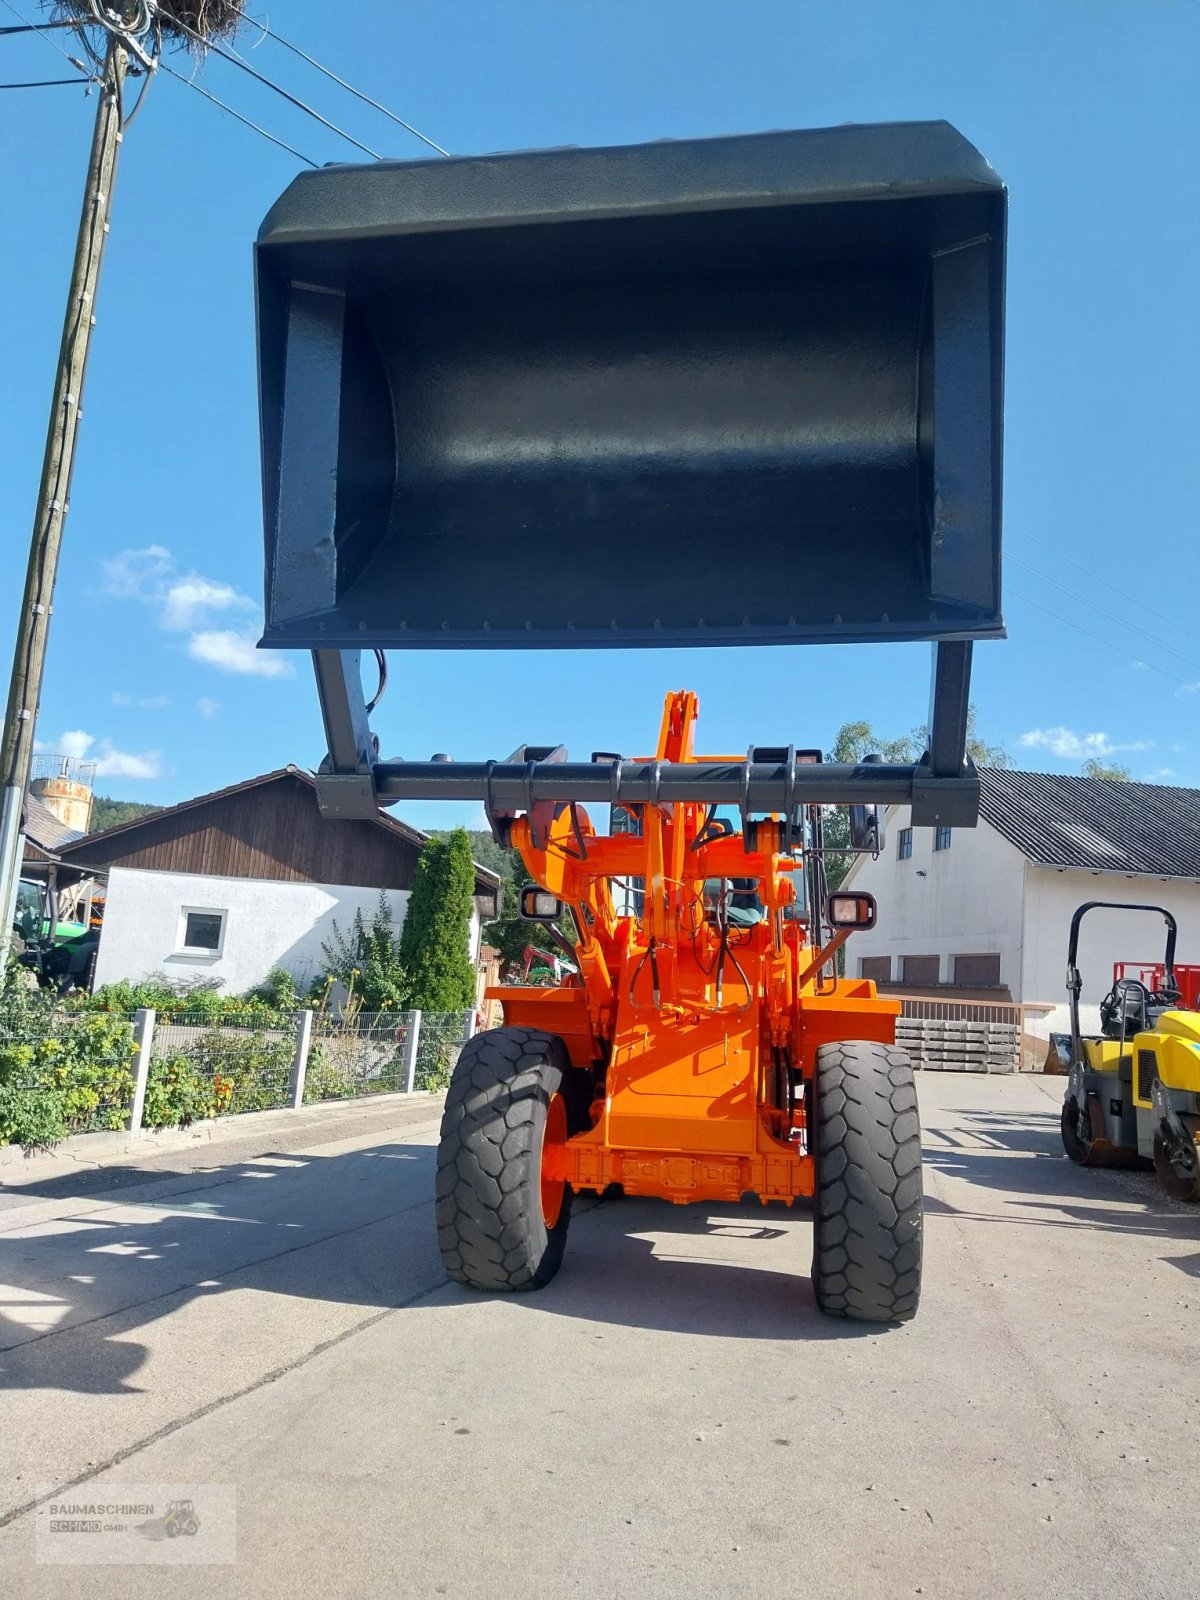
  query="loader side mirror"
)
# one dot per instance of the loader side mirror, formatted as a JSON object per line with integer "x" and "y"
{"x": 866, "y": 828}
{"x": 850, "y": 911}
{"x": 539, "y": 905}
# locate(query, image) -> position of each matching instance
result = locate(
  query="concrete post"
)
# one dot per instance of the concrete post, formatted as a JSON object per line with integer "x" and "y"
{"x": 411, "y": 1040}
{"x": 469, "y": 1020}
{"x": 304, "y": 1022}
{"x": 143, "y": 1035}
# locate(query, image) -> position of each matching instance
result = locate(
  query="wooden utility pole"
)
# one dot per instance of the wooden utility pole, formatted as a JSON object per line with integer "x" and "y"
{"x": 33, "y": 627}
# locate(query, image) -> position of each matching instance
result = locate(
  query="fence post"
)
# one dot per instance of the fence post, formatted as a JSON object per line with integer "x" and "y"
{"x": 143, "y": 1037}
{"x": 469, "y": 1020}
{"x": 304, "y": 1022}
{"x": 411, "y": 1039}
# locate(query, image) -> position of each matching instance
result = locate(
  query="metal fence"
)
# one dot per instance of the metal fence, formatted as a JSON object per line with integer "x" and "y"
{"x": 94, "y": 1072}
{"x": 188, "y": 1068}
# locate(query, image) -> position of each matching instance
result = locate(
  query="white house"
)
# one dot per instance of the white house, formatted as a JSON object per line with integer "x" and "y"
{"x": 988, "y": 909}
{"x": 231, "y": 884}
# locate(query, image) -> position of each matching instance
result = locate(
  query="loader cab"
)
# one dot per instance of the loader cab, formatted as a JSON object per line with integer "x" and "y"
{"x": 734, "y": 900}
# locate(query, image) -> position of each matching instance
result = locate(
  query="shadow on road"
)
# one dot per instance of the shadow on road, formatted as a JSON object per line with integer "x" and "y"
{"x": 649, "y": 1264}
{"x": 356, "y": 1229}
{"x": 1019, "y": 1159}
{"x": 346, "y": 1228}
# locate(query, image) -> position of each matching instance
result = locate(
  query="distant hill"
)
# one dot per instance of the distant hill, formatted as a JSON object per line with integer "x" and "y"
{"x": 108, "y": 813}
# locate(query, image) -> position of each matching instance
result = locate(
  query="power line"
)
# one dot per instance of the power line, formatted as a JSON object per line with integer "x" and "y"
{"x": 237, "y": 61}
{"x": 349, "y": 87}
{"x": 43, "y": 29}
{"x": 51, "y": 83}
{"x": 164, "y": 66}
{"x": 1097, "y": 638}
{"x": 1192, "y": 661}
{"x": 34, "y": 27}
{"x": 1089, "y": 572}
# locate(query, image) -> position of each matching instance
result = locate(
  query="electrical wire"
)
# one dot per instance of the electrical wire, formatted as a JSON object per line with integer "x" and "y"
{"x": 53, "y": 83}
{"x": 165, "y": 66}
{"x": 1097, "y": 638}
{"x": 43, "y": 28}
{"x": 1142, "y": 633}
{"x": 34, "y": 27}
{"x": 1089, "y": 572}
{"x": 301, "y": 105}
{"x": 269, "y": 33}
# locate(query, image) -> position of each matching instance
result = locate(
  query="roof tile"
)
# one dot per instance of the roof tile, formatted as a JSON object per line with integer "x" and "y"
{"x": 1059, "y": 820}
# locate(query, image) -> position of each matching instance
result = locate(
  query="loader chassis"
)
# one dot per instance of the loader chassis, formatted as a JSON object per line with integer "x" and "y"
{"x": 692, "y": 1059}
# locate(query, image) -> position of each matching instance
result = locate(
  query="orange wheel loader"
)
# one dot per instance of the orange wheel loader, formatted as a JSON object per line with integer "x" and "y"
{"x": 716, "y": 392}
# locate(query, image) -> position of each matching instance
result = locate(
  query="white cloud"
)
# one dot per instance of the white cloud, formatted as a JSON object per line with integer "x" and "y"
{"x": 75, "y": 742}
{"x": 207, "y": 707}
{"x": 231, "y": 651}
{"x": 110, "y": 762}
{"x": 185, "y": 604}
{"x": 1138, "y": 666}
{"x": 190, "y": 601}
{"x": 1160, "y": 774}
{"x": 120, "y": 698}
{"x": 136, "y": 574}
{"x": 1189, "y": 688}
{"x": 154, "y": 702}
{"x": 1071, "y": 746}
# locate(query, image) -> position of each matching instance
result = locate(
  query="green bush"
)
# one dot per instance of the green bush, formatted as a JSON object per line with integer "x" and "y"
{"x": 367, "y": 960}
{"x": 176, "y": 1093}
{"x": 246, "y": 1070}
{"x": 61, "y": 1071}
{"x": 277, "y": 991}
{"x": 322, "y": 1080}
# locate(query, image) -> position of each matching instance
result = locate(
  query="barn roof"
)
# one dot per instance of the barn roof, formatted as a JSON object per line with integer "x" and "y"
{"x": 1058, "y": 820}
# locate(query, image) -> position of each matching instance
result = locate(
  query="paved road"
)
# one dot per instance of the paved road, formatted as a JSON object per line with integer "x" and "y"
{"x": 670, "y": 1418}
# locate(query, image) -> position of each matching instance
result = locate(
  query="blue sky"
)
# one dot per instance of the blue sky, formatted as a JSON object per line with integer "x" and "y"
{"x": 1088, "y": 110}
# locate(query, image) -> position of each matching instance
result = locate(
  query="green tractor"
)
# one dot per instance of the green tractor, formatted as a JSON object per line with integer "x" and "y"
{"x": 1133, "y": 1090}
{"x": 61, "y": 954}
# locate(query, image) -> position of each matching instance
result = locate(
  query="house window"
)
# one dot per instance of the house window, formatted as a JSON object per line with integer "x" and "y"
{"x": 904, "y": 844}
{"x": 201, "y": 931}
{"x": 977, "y": 972}
{"x": 877, "y": 968}
{"x": 921, "y": 971}
{"x": 941, "y": 839}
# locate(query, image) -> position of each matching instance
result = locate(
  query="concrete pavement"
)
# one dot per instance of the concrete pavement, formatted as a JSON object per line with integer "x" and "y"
{"x": 670, "y": 1418}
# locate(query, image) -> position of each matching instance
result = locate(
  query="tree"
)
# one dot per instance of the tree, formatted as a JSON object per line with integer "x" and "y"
{"x": 107, "y": 813}
{"x": 855, "y": 740}
{"x": 1099, "y": 769}
{"x": 435, "y": 945}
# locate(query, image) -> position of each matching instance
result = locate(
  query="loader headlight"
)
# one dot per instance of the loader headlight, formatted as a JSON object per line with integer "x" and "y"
{"x": 850, "y": 911}
{"x": 539, "y": 905}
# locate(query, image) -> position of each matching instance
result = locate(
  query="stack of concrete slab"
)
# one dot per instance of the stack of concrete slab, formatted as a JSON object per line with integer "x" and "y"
{"x": 955, "y": 1046}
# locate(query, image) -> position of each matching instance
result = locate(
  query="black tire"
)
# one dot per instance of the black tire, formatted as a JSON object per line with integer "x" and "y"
{"x": 868, "y": 1203}
{"x": 1081, "y": 1151}
{"x": 491, "y": 1230}
{"x": 1177, "y": 1167}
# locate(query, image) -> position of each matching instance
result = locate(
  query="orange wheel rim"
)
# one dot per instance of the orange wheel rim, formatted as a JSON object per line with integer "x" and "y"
{"x": 554, "y": 1133}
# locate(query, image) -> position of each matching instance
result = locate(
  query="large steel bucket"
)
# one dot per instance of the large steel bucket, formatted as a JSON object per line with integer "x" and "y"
{"x": 719, "y": 391}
